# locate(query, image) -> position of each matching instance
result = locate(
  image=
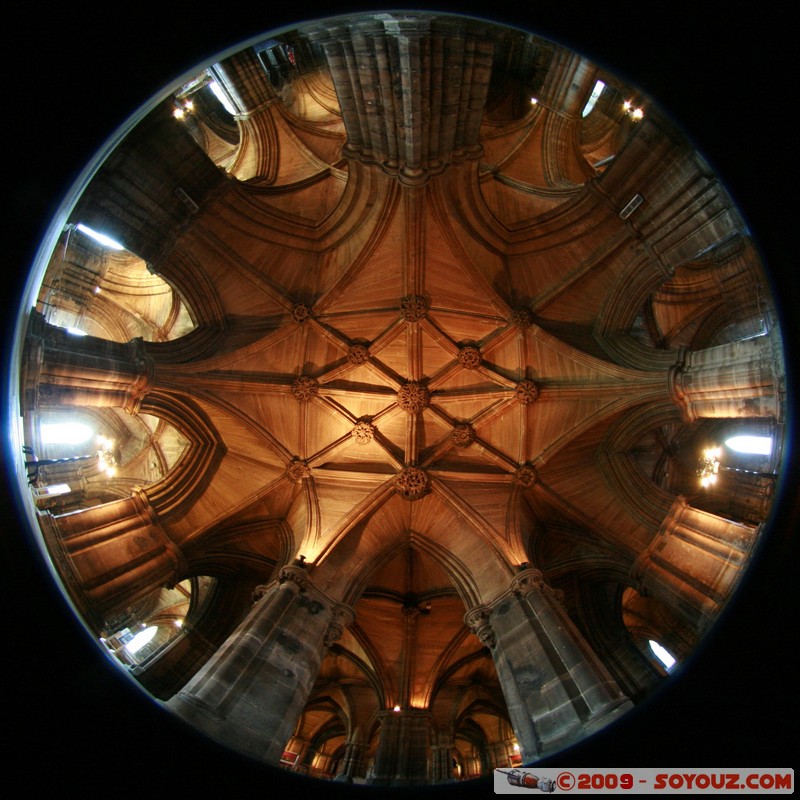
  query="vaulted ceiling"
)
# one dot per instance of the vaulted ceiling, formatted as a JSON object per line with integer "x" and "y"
{"x": 408, "y": 325}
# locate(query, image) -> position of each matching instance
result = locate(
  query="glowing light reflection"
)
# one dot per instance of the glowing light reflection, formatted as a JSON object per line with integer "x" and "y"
{"x": 65, "y": 432}
{"x": 758, "y": 445}
{"x": 663, "y": 655}
{"x": 141, "y": 639}
{"x": 101, "y": 238}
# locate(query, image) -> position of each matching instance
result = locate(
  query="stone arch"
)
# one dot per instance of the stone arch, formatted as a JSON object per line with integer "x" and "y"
{"x": 325, "y": 739}
{"x": 111, "y": 294}
{"x": 194, "y": 470}
{"x": 225, "y": 552}
{"x": 372, "y": 552}
{"x": 648, "y": 618}
{"x": 630, "y": 485}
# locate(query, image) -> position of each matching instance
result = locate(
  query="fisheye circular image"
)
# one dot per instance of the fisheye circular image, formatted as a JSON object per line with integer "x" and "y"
{"x": 395, "y": 397}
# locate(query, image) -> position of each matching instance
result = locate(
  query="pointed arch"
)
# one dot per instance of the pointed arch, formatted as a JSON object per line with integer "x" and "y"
{"x": 192, "y": 474}
{"x": 635, "y": 490}
{"x": 373, "y": 552}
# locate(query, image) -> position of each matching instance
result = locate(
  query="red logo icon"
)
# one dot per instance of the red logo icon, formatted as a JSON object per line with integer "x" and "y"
{"x": 565, "y": 781}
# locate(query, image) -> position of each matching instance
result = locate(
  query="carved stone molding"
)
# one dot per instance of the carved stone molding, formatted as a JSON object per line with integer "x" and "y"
{"x": 412, "y": 483}
{"x": 358, "y": 354}
{"x": 259, "y": 592}
{"x": 676, "y": 380}
{"x": 522, "y": 317}
{"x": 525, "y": 476}
{"x": 294, "y": 577}
{"x": 413, "y": 397}
{"x": 363, "y": 432}
{"x": 305, "y": 388}
{"x": 413, "y": 307}
{"x": 463, "y": 434}
{"x": 141, "y": 386}
{"x": 298, "y": 471}
{"x": 527, "y": 581}
{"x": 469, "y": 357}
{"x": 341, "y": 618}
{"x": 526, "y": 392}
{"x": 301, "y": 313}
{"x": 477, "y": 620}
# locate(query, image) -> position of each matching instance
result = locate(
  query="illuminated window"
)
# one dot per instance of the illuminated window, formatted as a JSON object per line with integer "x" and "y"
{"x": 758, "y": 445}
{"x": 141, "y": 639}
{"x": 593, "y": 98}
{"x": 663, "y": 655}
{"x": 222, "y": 97}
{"x": 57, "y": 488}
{"x": 101, "y": 238}
{"x": 65, "y": 433}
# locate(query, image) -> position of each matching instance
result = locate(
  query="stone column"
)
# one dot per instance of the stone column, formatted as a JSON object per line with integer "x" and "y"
{"x": 246, "y": 83}
{"x": 250, "y": 695}
{"x": 694, "y": 561}
{"x": 495, "y": 756}
{"x": 411, "y": 89}
{"x": 569, "y": 82}
{"x": 113, "y": 554}
{"x": 61, "y": 369}
{"x": 402, "y": 755}
{"x": 679, "y": 209}
{"x": 352, "y": 764}
{"x": 741, "y": 495}
{"x": 147, "y": 216}
{"x": 730, "y": 380}
{"x": 441, "y": 766}
{"x": 556, "y": 689}
{"x": 634, "y": 673}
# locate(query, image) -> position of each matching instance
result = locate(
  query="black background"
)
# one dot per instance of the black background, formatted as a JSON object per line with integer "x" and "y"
{"x": 76, "y": 74}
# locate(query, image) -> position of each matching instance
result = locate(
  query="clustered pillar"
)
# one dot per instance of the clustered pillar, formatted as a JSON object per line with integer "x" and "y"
{"x": 411, "y": 91}
{"x": 694, "y": 561}
{"x": 67, "y": 370}
{"x": 402, "y": 755}
{"x": 251, "y": 693}
{"x": 353, "y": 764}
{"x": 441, "y": 760}
{"x": 731, "y": 380}
{"x": 116, "y": 553}
{"x": 556, "y": 689}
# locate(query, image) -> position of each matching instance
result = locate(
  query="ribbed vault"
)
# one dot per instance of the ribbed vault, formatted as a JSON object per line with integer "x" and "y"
{"x": 443, "y": 351}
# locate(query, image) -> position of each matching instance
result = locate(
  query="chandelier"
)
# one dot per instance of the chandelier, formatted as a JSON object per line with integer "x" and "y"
{"x": 709, "y": 467}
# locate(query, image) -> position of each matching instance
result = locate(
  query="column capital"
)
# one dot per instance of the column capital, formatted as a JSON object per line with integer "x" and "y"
{"x": 295, "y": 577}
{"x": 735, "y": 379}
{"x": 527, "y": 581}
{"x": 693, "y": 561}
{"x": 342, "y": 617}
{"x": 477, "y": 620}
{"x": 297, "y": 580}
